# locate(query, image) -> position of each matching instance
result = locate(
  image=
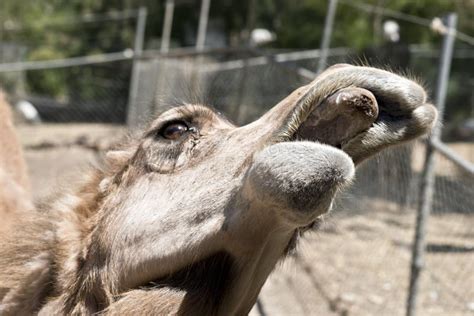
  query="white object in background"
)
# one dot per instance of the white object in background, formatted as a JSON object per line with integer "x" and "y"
{"x": 28, "y": 111}
{"x": 128, "y": 53}
{"x": 438, "y": 26}
{"x": 261, "y": 36}
{"x": 391, "y": 30}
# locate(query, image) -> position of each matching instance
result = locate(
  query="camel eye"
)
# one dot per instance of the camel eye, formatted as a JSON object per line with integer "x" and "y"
{"x": 174, "y": 130}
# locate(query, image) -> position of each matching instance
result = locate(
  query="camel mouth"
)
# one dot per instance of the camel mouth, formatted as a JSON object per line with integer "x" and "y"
{"x": 217, "y": 269}
{"x": 360, "y": 122}
{"x": 360, "y": 110}
{"x": 340, "y": 117}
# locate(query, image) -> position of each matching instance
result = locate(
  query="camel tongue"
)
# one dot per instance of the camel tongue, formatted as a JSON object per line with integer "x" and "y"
{"x": 340, "y": 117}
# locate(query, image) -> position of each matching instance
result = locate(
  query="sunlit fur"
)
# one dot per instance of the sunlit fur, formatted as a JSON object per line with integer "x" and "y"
{"x": 14, "y": 184}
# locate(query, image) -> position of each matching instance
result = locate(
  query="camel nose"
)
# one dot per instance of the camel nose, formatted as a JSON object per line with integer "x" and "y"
{"x": 299, "y": 179}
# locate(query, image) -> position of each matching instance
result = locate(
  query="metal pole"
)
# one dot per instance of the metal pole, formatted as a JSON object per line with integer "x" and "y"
{"x": 327, "y": 33}
{"x": 167, "y": 24}
{"x": 200, "y": 43}
{"x": 239, "y": 109}
{"x": 202, "y": 29}
{"x": 132, "y": 111}
{"x": 428, "y": 174}
{"x": 140, "y": 32}
{"x": 251, "y": 16}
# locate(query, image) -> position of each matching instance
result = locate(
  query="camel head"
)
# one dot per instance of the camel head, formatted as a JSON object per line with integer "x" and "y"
{"x": 192, "y": 216}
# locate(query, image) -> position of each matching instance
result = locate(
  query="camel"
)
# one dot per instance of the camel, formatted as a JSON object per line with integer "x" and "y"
{"x": 191, "y": 216}
{"x": 14, "y": 185}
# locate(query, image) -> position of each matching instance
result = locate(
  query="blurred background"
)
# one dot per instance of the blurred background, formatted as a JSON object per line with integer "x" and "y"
{"x": 81, "y": 73}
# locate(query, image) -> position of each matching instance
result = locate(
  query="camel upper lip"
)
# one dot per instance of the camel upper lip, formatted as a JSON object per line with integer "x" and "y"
{"x": 337, "y": 119}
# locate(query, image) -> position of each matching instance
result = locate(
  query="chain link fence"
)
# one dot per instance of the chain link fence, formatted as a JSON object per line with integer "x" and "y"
{"x": 242, "y": 84}
{"x": 92, "y": 94}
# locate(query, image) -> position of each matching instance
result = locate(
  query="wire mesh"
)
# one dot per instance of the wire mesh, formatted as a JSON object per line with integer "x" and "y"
{"x": 449, "y": 280}
{"x": 241, "y": 85}
{"x": 92, "y": 93}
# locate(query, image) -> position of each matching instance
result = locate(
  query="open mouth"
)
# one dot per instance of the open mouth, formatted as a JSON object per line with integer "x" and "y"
{"x": 340, "y": 117}
{"x": 360, "y": 110}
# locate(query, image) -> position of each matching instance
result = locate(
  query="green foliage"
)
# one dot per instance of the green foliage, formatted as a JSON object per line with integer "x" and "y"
{"x": 46, "y": 83}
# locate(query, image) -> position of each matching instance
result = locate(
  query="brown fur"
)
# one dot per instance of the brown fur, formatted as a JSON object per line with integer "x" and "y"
{"x": 14, "y": 185}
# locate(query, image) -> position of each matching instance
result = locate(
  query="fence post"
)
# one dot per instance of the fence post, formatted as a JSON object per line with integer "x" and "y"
{"x": 132, "y": 109}
{"x": 428, "y": 174}
{"x": 327, "y": 33}
{"x": 167, "y": 25}
{"x": 202, "y": 28}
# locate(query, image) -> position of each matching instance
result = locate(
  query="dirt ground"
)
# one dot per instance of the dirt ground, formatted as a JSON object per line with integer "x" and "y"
{"x": 357, "y": 264}
{"x": 57, "y": 154}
